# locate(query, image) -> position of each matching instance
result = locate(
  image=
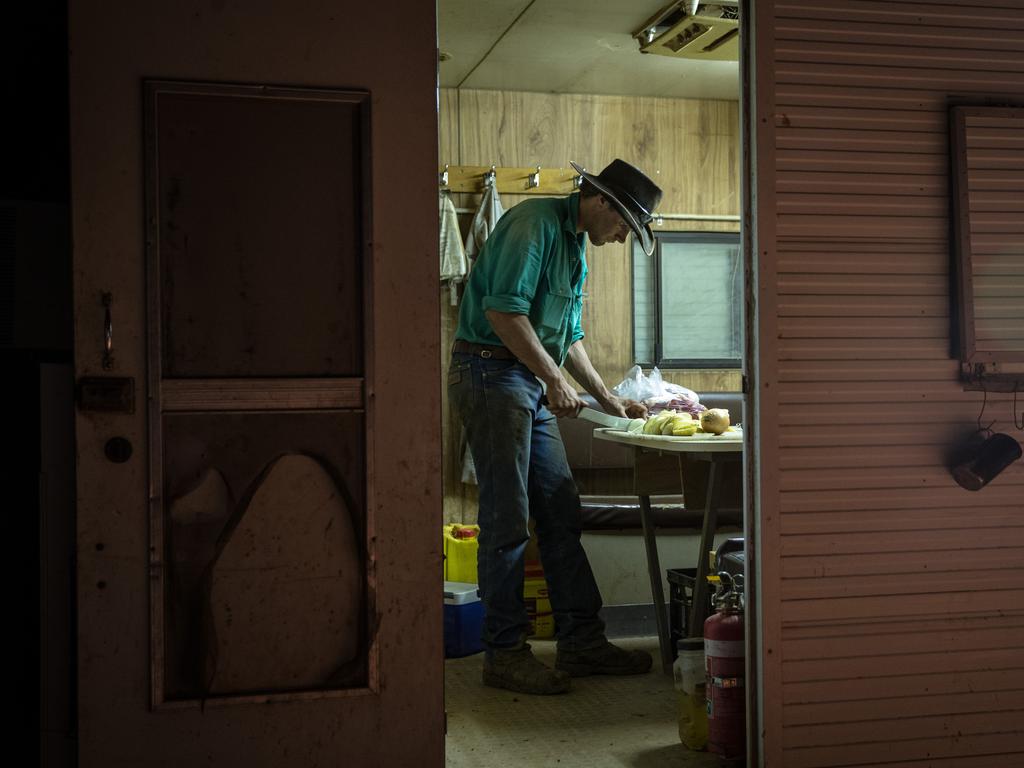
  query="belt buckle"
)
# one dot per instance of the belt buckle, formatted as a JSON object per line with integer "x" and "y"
{"x": 485, "y": 354}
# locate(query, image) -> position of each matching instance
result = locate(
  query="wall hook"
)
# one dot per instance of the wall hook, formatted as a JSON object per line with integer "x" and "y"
{"x": 444, "y": 176}
{"x": 577, "y": 180}
{"x": 533, "y": 180}
{"x": 490, "y": 177}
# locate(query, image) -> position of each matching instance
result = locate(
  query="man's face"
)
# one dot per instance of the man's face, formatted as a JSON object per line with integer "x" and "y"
{"x": 607, "y": 226}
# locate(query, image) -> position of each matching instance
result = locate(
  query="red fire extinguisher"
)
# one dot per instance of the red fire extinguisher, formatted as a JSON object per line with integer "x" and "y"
{"x": 724, "y": 669}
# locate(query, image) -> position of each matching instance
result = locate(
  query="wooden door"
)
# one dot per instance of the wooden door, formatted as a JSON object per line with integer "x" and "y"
{"x": 257, "y": 554}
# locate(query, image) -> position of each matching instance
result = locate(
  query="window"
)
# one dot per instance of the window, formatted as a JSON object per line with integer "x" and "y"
{"x": 688, "y": 301}
{"x": 987, "y": 144}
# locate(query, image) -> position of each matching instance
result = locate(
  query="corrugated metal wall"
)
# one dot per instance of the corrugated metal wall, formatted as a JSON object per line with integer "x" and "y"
{"x": 892, "y": 601}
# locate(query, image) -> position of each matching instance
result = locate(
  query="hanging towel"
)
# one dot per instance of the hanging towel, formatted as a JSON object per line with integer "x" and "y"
{"x": 454, "y": 264}
{"x": 484, "y": 221}
{"x": 468, "y": 467}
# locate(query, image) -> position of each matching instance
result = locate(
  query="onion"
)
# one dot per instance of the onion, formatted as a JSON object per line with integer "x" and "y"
{"x": 715, "y": 420}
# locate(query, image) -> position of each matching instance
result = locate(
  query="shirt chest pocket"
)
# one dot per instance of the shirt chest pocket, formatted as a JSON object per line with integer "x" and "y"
{"x": 562, "y": 303}
{"x": 558, "y": 303}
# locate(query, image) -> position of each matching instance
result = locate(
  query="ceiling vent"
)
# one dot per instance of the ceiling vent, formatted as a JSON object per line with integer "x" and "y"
{"x": 693, "y": 30}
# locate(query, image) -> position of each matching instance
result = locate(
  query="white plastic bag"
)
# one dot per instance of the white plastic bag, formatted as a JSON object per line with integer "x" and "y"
{"x": 634, "y": 386}
{"x": 656, "y": 393}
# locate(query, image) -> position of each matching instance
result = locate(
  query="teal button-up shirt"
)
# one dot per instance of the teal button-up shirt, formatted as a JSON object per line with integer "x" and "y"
{"x": 532, "y": 264}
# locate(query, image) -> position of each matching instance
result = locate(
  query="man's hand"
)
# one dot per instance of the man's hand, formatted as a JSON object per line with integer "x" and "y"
{"x": 562, "y": 399}
{"x": 578, "y": 364}
{"x": 634, "y": 408}
{"x": 624, "y": 407}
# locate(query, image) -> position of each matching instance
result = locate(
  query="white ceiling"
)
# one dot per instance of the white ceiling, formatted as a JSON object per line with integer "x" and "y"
{"x": 568, "y": 46}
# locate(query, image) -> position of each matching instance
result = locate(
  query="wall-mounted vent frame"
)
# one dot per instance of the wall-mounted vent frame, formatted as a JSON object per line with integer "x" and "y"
{"x": 693, "y": 30}
{"x": 987, "y": 147}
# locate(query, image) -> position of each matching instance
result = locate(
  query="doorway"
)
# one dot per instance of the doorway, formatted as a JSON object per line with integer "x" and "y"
{"x": 529, "y": 86}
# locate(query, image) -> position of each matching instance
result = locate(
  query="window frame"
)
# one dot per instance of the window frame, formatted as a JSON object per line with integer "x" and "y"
{"x": 689, "y": 363}
{"x": 979, "y": 368}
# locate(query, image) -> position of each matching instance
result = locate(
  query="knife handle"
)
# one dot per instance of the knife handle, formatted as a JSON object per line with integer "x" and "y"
{"x": 545, "y": 403}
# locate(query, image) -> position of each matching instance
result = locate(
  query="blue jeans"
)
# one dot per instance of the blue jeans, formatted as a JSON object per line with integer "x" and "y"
{"x": 522, "y": 471}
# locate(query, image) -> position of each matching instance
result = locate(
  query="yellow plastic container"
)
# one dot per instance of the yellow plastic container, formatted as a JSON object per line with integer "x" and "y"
{"x": 460, "y": 548}
{"x": 538, "y": 606}
{"x": 688, "y": 673}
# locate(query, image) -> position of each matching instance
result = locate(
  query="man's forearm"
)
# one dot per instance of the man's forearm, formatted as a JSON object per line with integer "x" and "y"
{"x": 518, "y": 335}
{"x": 578, "y": 364}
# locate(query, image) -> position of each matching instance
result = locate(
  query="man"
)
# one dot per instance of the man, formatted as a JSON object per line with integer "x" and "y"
{"x": 519, "y": 323}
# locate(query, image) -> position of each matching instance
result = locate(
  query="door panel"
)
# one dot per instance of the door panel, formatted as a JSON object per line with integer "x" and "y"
{"x": 270, "y": 282}
{"x": 255, "y": 267}
{"x": 283, "y": 596}
{"x": 213, "y": 465}
{"x": 258, "y": 223}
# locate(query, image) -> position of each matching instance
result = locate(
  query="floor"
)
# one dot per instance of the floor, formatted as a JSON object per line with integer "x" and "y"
{"x": 603, "y": 722}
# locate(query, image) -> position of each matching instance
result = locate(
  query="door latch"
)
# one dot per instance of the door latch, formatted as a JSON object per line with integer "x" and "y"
{"x": 108, "y": 332}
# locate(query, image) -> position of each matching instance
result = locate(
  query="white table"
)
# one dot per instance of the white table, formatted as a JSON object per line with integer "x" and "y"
{"x": 714, "y": 449}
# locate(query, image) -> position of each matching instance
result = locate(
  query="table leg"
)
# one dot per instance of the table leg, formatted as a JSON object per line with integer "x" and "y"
{"x": 654, "y": 571}
{"x": 700, "y": 587}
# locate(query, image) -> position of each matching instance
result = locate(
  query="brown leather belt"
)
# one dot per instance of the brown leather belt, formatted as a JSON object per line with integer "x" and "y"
{"x": 486, "y": 351}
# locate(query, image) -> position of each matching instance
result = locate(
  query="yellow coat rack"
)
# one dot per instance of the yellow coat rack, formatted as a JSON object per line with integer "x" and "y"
{"x": 510, "y": 181}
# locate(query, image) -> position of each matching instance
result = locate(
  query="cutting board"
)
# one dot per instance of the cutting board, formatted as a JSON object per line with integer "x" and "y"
{"x": 733, "y": 434}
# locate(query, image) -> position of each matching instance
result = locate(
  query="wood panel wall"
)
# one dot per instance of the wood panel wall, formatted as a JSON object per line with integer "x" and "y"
{"x": 690, "y": 147}
{"x": 892, "y": 600}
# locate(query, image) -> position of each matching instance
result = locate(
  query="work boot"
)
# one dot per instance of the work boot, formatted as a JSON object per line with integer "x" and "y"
{"x": 518, "y": 670}
{"x": 606, "y": 659}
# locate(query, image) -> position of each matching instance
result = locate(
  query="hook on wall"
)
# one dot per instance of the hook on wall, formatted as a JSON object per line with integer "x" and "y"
{"x": 518, "y": 180}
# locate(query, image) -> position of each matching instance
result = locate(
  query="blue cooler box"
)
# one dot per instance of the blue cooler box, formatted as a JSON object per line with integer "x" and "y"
{"x": 463, "y": 619}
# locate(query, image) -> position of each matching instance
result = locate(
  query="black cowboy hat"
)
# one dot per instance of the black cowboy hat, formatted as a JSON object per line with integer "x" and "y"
{"x": 633, "y": 194}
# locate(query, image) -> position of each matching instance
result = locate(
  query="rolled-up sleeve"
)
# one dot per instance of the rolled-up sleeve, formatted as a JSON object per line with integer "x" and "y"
{"x": 577, "y": 307}
{"x": 577, "y": 332}
{"x": 516, "y": 270}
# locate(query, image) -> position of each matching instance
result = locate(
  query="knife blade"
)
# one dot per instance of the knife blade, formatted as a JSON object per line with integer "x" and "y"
{"x": 604, "y": 419}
